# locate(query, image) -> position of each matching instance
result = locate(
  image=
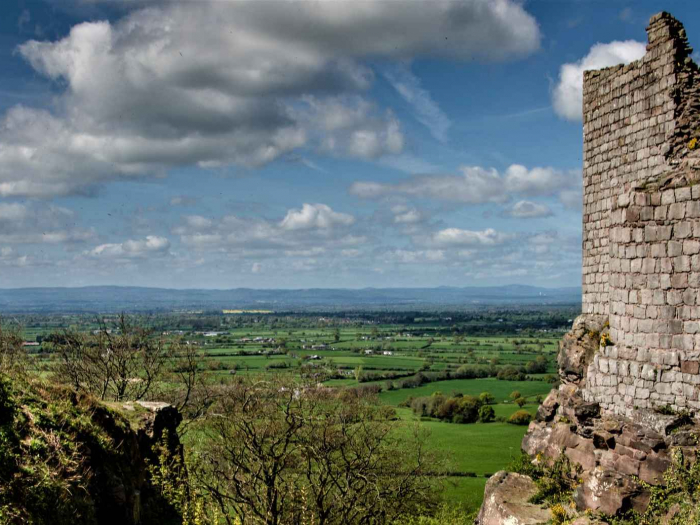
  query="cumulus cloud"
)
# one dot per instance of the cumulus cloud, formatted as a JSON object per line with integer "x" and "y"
{"x": 529, "y": 210}
{"x": 427, "y": 111}
{"x": 151, "y": 246}
{"x": 349, "y": 126}
{"x": 405, "y": 215}
{"x": 476, "y": 185}
{"x": 33, "y": 224}
{"x": 567, "y": 96}
{"x": 215, "y": 84}
{"x": 459, "y": 237}
{"x": 314, "y": 216}
{"x": 304, "y": 232}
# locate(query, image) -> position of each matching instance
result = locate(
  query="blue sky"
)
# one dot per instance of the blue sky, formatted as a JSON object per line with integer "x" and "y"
{"x": 300, "y": 144}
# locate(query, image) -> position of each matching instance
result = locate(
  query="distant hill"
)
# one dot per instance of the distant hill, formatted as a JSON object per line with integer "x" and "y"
{"x": 137, "y": 299}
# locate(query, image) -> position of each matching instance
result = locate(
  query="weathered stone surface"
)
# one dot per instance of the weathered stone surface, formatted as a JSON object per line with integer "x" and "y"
{"x": 630, "y": 366}
{"x": 506, "y": 502}
{"x": 609, "y": 492}
{"x": 577, "y": 347}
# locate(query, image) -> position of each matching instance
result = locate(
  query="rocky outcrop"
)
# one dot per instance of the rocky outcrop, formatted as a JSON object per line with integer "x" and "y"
{"x": 618, "y": 455}
{"x": 120, "y": 480}
{"x": 506, "y": 502}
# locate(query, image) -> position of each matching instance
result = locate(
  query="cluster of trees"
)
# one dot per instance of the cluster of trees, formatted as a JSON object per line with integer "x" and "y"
{"x": 457, "y": 409}
{"x": 280, "y": 452}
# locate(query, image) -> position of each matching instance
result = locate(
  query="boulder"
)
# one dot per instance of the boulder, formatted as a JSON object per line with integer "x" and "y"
{"x": 610, "y": 492}
{"x": 506, "y": 502}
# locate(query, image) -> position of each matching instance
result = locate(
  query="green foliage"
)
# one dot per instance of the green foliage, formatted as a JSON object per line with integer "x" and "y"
{"x": 44, "y": 477}
{"x": 487, "y": 398}
{"x": 486, "y": 414}
{"x": 445, "y": 515}
{"x": 169, "y": 476}
{"x": 461, "y": 409}
{"x": 521, "y": 417}
{"x": 555, "y": 482}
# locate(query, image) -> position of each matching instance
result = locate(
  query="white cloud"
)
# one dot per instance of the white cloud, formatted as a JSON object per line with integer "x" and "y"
{"x": 568, "y": 93}
{"x": 427, "y": 111}
{"x": 215, "y": 84}
{"x": 405, "y": 215}
{"x": 305, "y": 232}
{"x": 414, "y": 256}
{"x": 476, "y": 185}
{"x": 34, "y": 224}
{"x": 314, "y": 216}
{"x": 459, "y": 237}
{"x": 529, "y": 210}
{"x": 151, "y": 246}
{"x": 348, "y": 126}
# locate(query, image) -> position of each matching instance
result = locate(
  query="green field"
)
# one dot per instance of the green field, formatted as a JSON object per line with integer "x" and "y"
{"x": 501, "y": 390}
{"x": 400, "y": 347}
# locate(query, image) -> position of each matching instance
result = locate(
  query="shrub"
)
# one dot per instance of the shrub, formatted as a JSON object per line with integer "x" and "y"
{"x": 486, "y": 414}
{"x": 487, "y": 398}
{"x": 538, "y": 366}
{"x": 510, "y": 373}
{"x": 521, "y": 417}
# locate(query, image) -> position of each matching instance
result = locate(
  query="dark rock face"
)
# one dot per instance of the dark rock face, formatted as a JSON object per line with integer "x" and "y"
{"x": 506, "y": 502}
{"x": 120, "y": 485}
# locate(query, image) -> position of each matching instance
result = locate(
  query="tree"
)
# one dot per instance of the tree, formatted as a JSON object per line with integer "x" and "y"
{"x": 520, "y": 401}
{"x": 486, "y": 414}
{"x": 515, "y": 395}
{"x": 336, "y": 335}
{"x": 13, "y": 358}
{"x": 117, "y": 366}
{"x": 358, "y": 373}
{"x": 487, "y": 398}
{"x": 282, "y": 453}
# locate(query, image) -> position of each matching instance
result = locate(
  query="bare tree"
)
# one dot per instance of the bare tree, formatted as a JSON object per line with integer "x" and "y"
{"x": 190, "y": 390}
{"x": 119, "y": 365}
{"x": 280, "y": 453}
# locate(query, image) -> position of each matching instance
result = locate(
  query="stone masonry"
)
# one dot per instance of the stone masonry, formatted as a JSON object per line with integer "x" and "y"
{"x": 641, "y": 225}
{"x": 629, "y": 368}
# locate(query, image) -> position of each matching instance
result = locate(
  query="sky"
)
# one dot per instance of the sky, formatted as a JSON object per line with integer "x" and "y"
{"x": 299, "y": 143}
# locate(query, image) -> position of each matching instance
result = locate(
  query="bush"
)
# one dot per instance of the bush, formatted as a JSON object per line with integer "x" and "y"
{"x": 521, "y": 417}
{"x": 487, "y": 398}
{"x": 486, "y": 414}
{"x": 538, "y": 366}
{"x": 462, "y": 409}
{"x": 511, "y": 373}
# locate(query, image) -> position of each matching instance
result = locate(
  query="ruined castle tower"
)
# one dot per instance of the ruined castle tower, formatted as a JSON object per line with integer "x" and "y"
{"x": 641, "y": 224}
{"x": 630, "y": 366}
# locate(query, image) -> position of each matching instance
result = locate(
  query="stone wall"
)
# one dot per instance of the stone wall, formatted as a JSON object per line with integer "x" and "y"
{"x": 630, "y": 116}
{"x": 641, "y": 253}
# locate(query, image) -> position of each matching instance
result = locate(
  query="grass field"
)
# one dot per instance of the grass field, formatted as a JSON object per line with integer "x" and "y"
{"x": 430, "y": 344}
{"x": 501, "y": 390}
